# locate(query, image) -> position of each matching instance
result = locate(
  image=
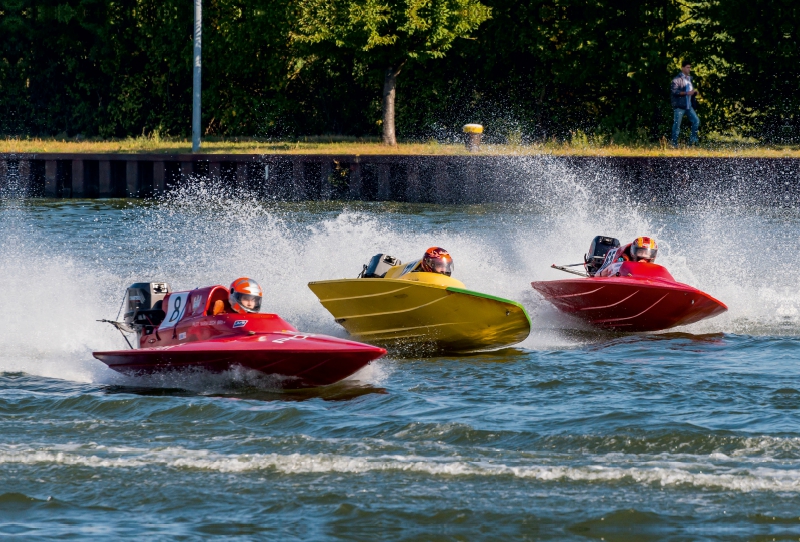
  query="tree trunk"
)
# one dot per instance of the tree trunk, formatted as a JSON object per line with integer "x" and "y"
{"x": 389, "y": 85}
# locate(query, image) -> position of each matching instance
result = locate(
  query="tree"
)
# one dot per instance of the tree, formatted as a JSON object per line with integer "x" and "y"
{"x": 386, "y": 34}
{"x": 542, "y": 69}
{"x": 751, "y": 48}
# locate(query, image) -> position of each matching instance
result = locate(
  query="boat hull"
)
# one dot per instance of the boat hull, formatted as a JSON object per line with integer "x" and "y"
{"x": 403, "y": 312}
{"x": 630, "y": 302}
{"x": 298, "y": 360}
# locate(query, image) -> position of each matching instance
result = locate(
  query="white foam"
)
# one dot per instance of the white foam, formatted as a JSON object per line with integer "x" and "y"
{"x": 376, "y": 373}
{"x": 700, "y": 473}
{"x": 51, "y": 302}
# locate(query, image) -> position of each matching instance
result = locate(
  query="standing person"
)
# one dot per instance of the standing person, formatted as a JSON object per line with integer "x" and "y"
{"x": 682, "y": 95}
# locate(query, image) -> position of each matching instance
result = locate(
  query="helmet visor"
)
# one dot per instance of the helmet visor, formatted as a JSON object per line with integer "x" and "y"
{"x": 644, "y": 253}
{"x": 249, "y": 302}
{"x": 442, "y": 266}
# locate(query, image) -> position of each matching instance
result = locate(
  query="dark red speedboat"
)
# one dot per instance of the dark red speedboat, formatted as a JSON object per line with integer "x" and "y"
{"x": 187, "y": 335}
{"x": 641, "y": 297}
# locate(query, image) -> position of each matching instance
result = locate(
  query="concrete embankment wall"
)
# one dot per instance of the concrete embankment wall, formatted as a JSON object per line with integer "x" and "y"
{"x": 435, "y": 179}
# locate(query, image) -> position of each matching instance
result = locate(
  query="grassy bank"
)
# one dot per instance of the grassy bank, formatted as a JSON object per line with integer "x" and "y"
{"x": 350, "y": 146}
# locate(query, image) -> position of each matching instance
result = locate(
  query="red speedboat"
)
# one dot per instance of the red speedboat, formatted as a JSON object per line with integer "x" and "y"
{"x": 178, "y": 331}
{"x": 639, "y": 297}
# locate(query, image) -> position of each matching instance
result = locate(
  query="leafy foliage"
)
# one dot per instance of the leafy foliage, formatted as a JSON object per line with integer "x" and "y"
{"x": 388, "y": 31}
{"x": 753, "y": 62}
{"x": 385, "y": 34}
{"x": 539, "y": 69}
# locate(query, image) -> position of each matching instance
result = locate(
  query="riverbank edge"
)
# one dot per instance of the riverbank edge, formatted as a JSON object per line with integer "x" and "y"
{"x": 412, "y": 178}
{"x": 367, "y": 148}
{"x": 248, "y": 156}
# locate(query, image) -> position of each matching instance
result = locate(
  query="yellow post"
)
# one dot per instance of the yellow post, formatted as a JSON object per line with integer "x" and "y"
{"x": 474, "y": 132}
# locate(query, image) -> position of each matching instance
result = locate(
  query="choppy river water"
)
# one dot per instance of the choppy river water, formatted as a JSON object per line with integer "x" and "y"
{"x": 574, "y": 434}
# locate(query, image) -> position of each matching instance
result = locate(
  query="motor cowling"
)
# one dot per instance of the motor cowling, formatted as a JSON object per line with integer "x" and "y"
{"x": 143, "y": 303}
{"x": 378, "y": 266}
{"x": 600, "y": 246}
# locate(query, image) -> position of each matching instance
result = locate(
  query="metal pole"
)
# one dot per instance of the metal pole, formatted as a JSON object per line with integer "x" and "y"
{"x": 197, "y": 65}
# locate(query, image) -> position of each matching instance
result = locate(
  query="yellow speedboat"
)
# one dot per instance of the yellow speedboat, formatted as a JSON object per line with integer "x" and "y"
{"x": 412, "y": 307}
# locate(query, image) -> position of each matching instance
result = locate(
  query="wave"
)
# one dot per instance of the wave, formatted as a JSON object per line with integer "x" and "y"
{"x": 667, "y": 471}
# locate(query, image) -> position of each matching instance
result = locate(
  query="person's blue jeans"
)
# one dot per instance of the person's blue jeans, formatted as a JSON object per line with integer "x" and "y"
{"x": 676, "y": 125}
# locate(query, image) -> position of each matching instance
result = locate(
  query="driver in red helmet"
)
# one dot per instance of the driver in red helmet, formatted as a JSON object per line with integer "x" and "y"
{"x": 642, "y": 249}
{"x": 244, "y": 297}
{"x": 437, "y": 260}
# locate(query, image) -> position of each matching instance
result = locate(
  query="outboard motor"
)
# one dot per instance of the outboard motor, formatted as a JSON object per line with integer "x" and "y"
{"x": 378, "y": 266}
{"x": 600, "y": 246}
{"x": 143, "y": 304}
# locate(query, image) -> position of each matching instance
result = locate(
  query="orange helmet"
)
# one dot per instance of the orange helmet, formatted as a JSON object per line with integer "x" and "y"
{"x": 245, "y": 295}
{"x": 437, "y": 260}
{"x": 644, "y": 249}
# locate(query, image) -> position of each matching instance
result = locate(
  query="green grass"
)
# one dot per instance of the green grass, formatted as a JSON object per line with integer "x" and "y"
{"x": 714, "y": 146}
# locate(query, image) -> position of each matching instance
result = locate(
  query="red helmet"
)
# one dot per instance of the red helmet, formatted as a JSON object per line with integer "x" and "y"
{"x": 437, "y": 260}
{"x": 644, "y": 249}
{"x": 245, "y": 295}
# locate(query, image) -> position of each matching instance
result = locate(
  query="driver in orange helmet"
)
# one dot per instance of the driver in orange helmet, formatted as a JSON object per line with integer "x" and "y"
{"x": 642, "y": 249}
{"x": 244, "y": 297}
{"x": 436, "y": 260}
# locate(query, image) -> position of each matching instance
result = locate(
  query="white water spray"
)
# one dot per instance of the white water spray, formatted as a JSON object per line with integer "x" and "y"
{"x": 64, "y": 266}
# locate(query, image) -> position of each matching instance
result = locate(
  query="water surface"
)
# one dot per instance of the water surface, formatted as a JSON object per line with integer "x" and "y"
{"x": 574, "y": 434}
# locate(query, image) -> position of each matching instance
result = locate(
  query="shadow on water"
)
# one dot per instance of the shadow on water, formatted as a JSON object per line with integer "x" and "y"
{"x": 621, "y": 339}
{"x": 342, "y": 391}
{"x": 632, "y": 525}
{"x": 417, "y": 351}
